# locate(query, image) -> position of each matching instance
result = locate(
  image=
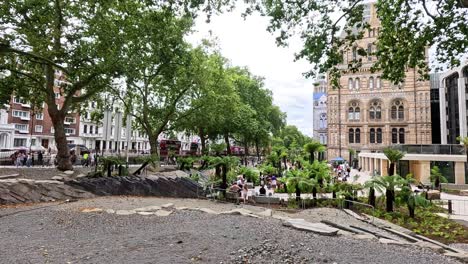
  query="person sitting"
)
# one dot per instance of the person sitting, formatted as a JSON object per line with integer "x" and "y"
{"x": 262, "y": 190}
{"x": 234, "y": 188}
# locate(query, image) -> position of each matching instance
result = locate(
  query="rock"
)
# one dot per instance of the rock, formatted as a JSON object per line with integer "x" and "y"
{"x": 318, "y": 228}
{"x": 168, "y": 205}
{"x": 267, "y": 212}
{"x": 125, "y": 212}
{"x": 148, "y": 208}
{"x": 81, "y": 175}
{"x": 280, "y": 217}
{"x": 145, "y": 213}
{"x": 433, "y": 195}
{"x": 91, "y": 210}
{"x": 57, "y": 178}
{"x": 391, "y": 241}
{"x": 110, "y": 211}
{"x": 208, "y": 211}
{"x": 68, "y": 172}
{"x": 461, "y": 256}
{"x": 163, "y": 213}
{"x": 182, "y": 208}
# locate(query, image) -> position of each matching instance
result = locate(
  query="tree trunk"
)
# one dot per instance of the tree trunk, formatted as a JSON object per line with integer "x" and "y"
{"x": 285, "y": 163}
{"x": 437, "y": 183}
{"x": 256, "y": 148}
{"x": 298, "y": 193}
{"x": 224, "y": 183}
{"x": 411, "y": 211}
{"x": 246, "y": 151}
{"x": 333, "y": 194}
{"x": 153, "y": 145}
{"x": 63, "y": 153}
{"x": 201, "y": 134}
{"x": 371, "y": 200}
{"x": 391, "y": 169}
{"x": 228, "y": 145}
{"x": 389, "y": 200}
{"x": 314, "y": 192}
{"x": 312, "y": 158}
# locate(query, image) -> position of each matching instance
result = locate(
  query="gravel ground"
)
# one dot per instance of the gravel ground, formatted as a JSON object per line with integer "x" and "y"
{"x": 62, "y": 234}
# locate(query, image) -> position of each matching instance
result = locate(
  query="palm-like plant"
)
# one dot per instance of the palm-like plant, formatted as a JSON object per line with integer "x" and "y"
{"x": 393, "y": 155}
{"x": 411, "y": 200}
{"x": 311, "y": 148}
{"x": 389, "y": 183}
{"x": 437, "y": 178}
{"x": 372, "y": 185}
{"x": 298, "y": 181}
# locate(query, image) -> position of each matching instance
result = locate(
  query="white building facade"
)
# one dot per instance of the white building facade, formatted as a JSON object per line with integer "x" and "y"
{"x": 320, "y": 110}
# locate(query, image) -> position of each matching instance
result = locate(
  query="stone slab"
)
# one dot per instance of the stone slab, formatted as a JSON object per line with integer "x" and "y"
{"x": 68, "y": 172}
{"x": 267, "y": 213}
{"x": 145, "y": 213}
{"x": 151, "y": 208}
{"x": 318, "y": 228}
{"x": 125, "y": 212}
{"x": 163, "y": 213}
{"x": 110, "y": 211}
{"x": 208, "y": 211}
{"x": 168, "y": 205}
{"x": 393, "y": 242}
{"x": 91, "y": 210}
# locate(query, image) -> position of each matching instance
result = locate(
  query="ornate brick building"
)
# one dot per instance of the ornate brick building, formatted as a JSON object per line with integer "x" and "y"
{"x": 368, "y": 113}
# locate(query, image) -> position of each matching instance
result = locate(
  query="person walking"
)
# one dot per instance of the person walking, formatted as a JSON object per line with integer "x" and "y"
{"x": 40, "y": 159}
{"x": 29, "y": 160}
{"x": 86, "y": 159}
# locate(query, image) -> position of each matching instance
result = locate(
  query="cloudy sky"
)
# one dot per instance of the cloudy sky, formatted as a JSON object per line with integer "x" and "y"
{"x": 247, "y": 43}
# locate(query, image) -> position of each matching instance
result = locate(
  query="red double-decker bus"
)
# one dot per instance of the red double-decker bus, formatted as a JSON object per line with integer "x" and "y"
{"x": 169, "y": 146}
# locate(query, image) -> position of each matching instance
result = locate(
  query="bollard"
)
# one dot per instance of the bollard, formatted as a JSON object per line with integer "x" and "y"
{"x": 450, "y": 206}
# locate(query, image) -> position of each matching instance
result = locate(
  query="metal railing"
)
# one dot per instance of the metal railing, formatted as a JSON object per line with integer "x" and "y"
{"x": 453, "y": 206}
{"x": 443, "y": 149}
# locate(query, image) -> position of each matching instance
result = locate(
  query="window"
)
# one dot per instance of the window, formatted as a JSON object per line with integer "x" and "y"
{"x": 39, "y": 116}
{"x": 21, "y": 114}
{"x": 357, "y": 84}
{"x": 398, "y": 110}
{"x": 354, "y": 111}
{"x": 394, "y": 136}
{"x": 371, "y": 83}
{"x": 85, "y": 129}
{"x": 96, "y": 130}
{"x": 379, "y": 135}
{"x": 69, "y": 131}
{"x": 21, "y": 127}
{"x": 351, "y": 136}
{"x": 355, "y": 53}
{"x": 52, "y": 130}
{"x": 350, "y": 84}
{"x": 378, "y": 83}
{"x": 372, "y": 135}
{"x": 19, "y": 100}
{"x": 375, "y": 111}
{"x": 90, "y": 129}
{"x": 357, "y": 137}
{"x": 19, "y": 142}
{"x": 57, "y": 95}
{"x": 369, "y": 52}
{"x": 38, "y": 128}
{"x": 402, "y": 135}
{"x": 70, "y": 120}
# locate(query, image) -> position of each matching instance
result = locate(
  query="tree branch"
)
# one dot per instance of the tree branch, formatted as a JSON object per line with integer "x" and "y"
{"x": 6, "y": 49}
{"x": 427, "y": 11}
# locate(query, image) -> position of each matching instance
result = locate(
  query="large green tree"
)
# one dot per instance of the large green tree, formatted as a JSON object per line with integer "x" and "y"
{"x": 328, "y": 27}
{"x": 41, "y": 40}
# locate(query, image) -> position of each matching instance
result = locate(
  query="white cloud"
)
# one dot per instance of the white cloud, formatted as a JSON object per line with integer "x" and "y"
{"x": 247, "y": 43}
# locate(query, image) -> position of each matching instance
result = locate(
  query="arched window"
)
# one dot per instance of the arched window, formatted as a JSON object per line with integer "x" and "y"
{"x": 357, "y": 138}
{"x": 372, "y": 113}
{"x": 351, "y": 136}
{"x": 401, "y": 112}
{"x": 378, "y": 83}
{"x": 379, "y": 135}
{"x": 351, "y": 113}
{"x": 355, "y": 53}
{"x": 394, "y": 136}
{"x": 357, "y": 84}
{"x": 350, "y": 84}
{"x": 369, "y": 52}
{"x": 375, "y": 111}
{"x": 372, "y": 135}
{"x": 371, "y": 83}
{"x": 354, "y": 112}
{"x": 394, "y": 112}
{"x": 402, "y": 135}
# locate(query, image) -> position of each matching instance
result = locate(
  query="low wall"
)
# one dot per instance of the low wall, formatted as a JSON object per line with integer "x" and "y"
{"x": 453, "y": 186}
